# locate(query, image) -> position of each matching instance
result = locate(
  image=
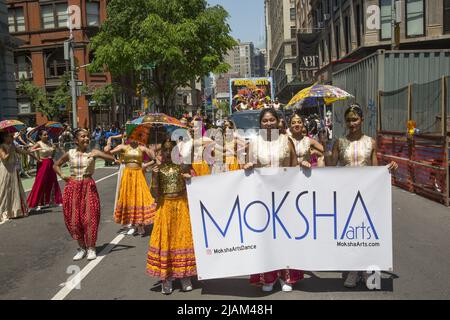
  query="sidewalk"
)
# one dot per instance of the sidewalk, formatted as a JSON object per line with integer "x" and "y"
{"x": 28, "y": 182}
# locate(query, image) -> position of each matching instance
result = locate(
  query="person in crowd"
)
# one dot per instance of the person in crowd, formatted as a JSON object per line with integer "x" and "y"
{"x": 20, "y": 141}
{"x": 98, "y": 135}
{"x": 66, "y": 138}
{"x": 13, "y": 203}
{"x": 276, "y": 104}
{"x": 81, "y": 202}
{"x": 226, "y": 149}
{"x": 273, "y": 150}
{"x": 304, "y": 145}
{"x": 171, "y": 248}
{"x": 45, "y": 191}
{"x": 355, "y": 150}
{"x": 111, "y": 136}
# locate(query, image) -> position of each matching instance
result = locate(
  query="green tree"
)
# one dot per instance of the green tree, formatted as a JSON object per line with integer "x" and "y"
{"x": 184, "y": 39}
{"x": 224, "y": 107}
{"x": 103, "y": 97}
{"x": 48, "y": 105}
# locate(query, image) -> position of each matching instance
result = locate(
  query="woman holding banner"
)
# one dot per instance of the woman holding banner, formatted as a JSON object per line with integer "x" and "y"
{"x": 355, "y": 150}
{"x": 304, "y": 145}
{"x": 171, "y": 249}
{"x": 273, "y": 150}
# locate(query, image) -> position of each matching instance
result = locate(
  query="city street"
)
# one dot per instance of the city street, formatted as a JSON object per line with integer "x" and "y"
{"x": 36, "y": 254}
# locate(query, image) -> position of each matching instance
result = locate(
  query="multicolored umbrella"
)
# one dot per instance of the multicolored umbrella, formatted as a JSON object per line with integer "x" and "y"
{"x": 318, "y": 94}
{"x": 154, "y": 124}
{"x": 53, "y": 128}
{"x": 11, "y": 126}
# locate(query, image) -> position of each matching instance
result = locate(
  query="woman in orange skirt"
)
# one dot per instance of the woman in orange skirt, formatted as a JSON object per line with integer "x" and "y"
{"x": 134, "y": 206}
{"x": 171, "y": 249}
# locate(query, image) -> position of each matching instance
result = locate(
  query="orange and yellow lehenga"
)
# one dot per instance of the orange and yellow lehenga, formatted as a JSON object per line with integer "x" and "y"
{"x": 135, "y": 205}
{"x": 171, "y": 249}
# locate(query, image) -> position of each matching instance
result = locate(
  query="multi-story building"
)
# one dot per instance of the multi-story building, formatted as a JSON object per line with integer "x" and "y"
{"x": 41, "y": 25}
{"x": 260, "y": 63}
{"x": 222, "y": 89}
{"x": 241, "y": 59}
{"x": 281, "y": 46}
{"x": 8, "y": 105}
{"x": 353, "y": 29}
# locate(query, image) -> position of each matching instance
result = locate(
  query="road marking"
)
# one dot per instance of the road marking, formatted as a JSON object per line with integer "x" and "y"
{"x": 76, "y": 280}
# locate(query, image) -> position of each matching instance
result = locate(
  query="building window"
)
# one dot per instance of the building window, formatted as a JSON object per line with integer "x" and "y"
{"x": 415, "y": 18}
{"x": 446, "y": 16}
{"x": 293, "y": 32}
{"x": 386, "y": 19}
{"x": 322, "y": 52}
{"x": 348, "y": 36}
{"x": 93, "y": 14}
{"x": 54, "y": 15}
{"x": 292, "y": 14}
{"x": 294, "y": 50}
{"x": 56, "y": 66}
{"x": 23, "y": 67}
{"x": 16, "y": 20}
{"x": 337, "y": 39}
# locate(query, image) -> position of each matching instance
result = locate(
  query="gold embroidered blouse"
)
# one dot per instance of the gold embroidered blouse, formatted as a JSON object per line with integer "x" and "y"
{"x": 132, "y": 155}
{"x": 170, "y": 179}
{"x": 355, "y": 153}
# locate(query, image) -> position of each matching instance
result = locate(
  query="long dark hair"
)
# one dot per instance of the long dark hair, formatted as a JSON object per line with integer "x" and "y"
{"x": 3, "y": 136}
{"x": 272, "y": 111}
{"x": 297, "y": 114}
{"x": 39, "y": 135}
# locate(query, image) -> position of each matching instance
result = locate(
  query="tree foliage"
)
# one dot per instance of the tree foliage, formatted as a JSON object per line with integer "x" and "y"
{"x": 185, "y": 39}
{"x": 48, "y": 105}
{"x": 103, "y": 97}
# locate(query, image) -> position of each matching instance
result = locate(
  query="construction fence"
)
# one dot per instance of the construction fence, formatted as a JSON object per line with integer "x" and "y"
{"x": 423, "y": 158}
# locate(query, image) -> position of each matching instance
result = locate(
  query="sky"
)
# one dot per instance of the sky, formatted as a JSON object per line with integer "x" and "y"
{"x": 246, "y": 19}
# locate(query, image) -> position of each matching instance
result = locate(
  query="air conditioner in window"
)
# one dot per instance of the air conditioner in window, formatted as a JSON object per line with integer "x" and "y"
{"x": 320, "y": 24}
{"x": 326, "y": 16}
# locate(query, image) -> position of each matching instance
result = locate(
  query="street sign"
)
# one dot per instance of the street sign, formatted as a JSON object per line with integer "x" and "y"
{"x": 149, "y": 66}
{"x": 79, "y": 83}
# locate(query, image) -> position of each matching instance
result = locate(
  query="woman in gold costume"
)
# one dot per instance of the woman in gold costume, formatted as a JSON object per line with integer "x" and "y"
{"x": 134, "y": 205}
{"x": 171, "y": 249}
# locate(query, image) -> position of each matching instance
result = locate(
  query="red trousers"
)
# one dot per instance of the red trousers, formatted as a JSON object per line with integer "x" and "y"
{"x": 290, "y": 276}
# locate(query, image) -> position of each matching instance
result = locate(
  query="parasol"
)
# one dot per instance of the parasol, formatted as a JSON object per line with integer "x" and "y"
{"x": 142, "y": 128}
{"x": 53, "y": 128}
{"x": 11, "y": 126}
{"x": 317, "y": 94}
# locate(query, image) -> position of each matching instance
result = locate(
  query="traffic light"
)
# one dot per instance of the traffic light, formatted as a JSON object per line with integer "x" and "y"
{"x": 138, "y": 90}
{"x": 145, "y": 103}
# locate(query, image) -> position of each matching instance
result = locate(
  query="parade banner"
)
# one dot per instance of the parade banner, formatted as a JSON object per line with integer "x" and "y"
{"x": 248, "y": 89}
{"x": 247, "y": 222}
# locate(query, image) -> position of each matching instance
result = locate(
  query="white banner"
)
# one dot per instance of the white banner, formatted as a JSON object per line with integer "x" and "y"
{"x": 326, "y": 219}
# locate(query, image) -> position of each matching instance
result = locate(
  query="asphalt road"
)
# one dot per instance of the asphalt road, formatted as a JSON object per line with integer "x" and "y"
{"x": 36, "y": 260}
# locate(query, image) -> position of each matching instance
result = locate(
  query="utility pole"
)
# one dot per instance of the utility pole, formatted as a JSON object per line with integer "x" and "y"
{"x": 69, "y": 55}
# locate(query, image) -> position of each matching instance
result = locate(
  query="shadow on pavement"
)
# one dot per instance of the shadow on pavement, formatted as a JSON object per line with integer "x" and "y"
{"x": 313, "y": 284}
